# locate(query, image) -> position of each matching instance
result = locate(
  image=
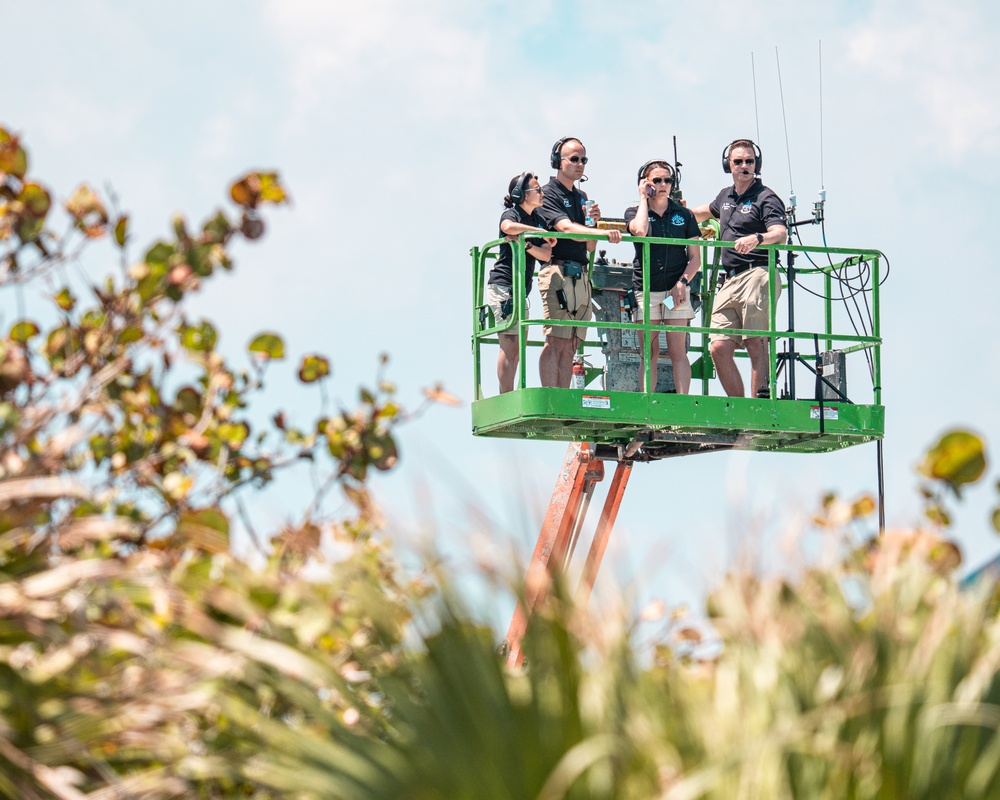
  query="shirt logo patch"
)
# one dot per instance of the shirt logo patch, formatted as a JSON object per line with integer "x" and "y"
{"x": 677, "y": 219}
{"x": 746, "y": 208}
{"x": 567, "y": 203}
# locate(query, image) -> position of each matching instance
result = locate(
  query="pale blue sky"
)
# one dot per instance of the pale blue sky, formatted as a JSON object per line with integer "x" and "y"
{"x": 397, "y": 125}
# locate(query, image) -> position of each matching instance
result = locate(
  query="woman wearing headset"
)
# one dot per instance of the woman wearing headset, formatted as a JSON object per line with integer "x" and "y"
{"x": 524, "y": 197}
{"x": 671, "y": 267}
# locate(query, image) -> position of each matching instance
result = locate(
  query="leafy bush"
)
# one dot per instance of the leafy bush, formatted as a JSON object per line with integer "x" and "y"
{"x": 139, "y": 658}
{"x": 137, "y": 654}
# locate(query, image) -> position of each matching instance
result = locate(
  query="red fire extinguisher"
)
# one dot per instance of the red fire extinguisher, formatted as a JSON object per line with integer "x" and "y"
{"x": 579, "y": 378}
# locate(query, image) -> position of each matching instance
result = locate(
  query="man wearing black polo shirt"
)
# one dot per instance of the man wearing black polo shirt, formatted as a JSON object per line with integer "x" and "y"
{"x": 749, "y": 215}
{"x": 671, "y": 267}
{"x": 565, "y": 283}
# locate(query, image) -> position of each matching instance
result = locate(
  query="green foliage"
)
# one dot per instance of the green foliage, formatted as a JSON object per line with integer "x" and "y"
{"x": 956, "y": 460}
{"x": 140, "y": 658}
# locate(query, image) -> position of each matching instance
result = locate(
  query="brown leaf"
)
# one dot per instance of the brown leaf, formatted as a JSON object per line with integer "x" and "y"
{"x": 438, "y": 394}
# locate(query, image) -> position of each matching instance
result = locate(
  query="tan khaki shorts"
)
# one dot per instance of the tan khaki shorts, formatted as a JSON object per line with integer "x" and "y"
{"x": 495, "y": 295}
{"x": 742, "y": 303}
{"x": 660, "y": 312}
{"x": 550, "y": 281}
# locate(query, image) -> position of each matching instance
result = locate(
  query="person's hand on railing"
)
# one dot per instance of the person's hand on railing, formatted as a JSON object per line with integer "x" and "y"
{"x": 747, "y": 243}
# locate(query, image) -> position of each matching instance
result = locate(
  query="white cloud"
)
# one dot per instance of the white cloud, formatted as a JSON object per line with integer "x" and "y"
{"x": 388, "y": 47}
{"x": 938, "y": 54}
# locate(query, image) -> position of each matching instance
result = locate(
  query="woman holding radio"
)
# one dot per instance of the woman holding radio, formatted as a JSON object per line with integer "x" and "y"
{"x": 671, "y": 267}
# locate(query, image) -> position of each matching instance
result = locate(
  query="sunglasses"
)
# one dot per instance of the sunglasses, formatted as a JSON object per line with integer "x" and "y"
{"x": 739, "y": 162}
{"x": 533, "y": 189}
{"x": 576, "y": 159}
{"x": 658, "y": 181}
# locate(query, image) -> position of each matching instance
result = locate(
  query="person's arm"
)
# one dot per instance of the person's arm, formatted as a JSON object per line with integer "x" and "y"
{"x": 542, "y": 252}
{"x": 567, "y": 225}
{"x": 512, "y": 229}
{"x": 775, "y": 234}
{"x": 701, "y": 213}
{"x": 678, "y": 291}
{"x": 639, "y": 225}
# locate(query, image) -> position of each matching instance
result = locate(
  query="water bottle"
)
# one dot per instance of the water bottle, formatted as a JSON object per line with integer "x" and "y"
{"x": 586, "y": 210}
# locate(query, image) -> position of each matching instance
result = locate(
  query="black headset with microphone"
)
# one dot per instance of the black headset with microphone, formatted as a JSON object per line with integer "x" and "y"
{"x": 741, "y": 143}
{"x": 519, "y": 192}
{"x": 660, "y": 162}
{"x": 555, "y": 157}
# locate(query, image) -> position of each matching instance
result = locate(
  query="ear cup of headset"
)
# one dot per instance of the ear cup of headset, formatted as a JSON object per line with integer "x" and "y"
{"x": 644, "y": 167}
{"x": 555, "y": 157}
{"x": 518, "y": 193}
{"x": 756, "y": 152}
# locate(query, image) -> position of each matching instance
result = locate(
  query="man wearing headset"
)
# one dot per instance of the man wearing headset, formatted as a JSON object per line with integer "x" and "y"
{"x": 565, "y": 284}
{"x": 750, "y": 215}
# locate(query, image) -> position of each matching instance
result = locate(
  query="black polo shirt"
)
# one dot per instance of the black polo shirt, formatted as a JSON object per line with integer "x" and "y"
{"x": 502, "y": 273}
{"x": 667, "y": 262}
{"x": 558, "y": 203}
{"x": 754, "y": 211}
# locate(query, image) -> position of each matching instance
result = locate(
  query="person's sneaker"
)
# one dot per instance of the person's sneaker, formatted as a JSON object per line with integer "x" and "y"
{"x": 763, "y": 392}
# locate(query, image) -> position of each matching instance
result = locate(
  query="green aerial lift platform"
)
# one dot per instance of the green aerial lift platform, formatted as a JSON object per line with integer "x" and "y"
{"x": 612, "y": 418}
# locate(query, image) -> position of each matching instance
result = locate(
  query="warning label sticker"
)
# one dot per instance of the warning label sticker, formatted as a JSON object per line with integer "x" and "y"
{"x": 829, "y": 412}
{"x": 596, "y": 401}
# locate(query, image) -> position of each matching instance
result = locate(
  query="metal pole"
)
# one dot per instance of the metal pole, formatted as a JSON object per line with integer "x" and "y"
{"x": 608, "y": 515}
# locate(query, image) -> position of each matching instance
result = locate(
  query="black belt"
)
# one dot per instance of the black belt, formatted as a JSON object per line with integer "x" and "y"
{"x": 576, "y": 269}
{"x": 732, "y": 272}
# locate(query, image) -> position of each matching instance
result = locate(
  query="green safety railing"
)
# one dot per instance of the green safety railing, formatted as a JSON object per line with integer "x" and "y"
{"x": 520, "y": 322}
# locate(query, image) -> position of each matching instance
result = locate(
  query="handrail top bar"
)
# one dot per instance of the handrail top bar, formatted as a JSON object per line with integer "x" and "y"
{"x": 701, "y": 242}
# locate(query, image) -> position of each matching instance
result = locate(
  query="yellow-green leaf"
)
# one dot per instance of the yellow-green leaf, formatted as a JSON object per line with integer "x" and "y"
{"x": 268, "y": 345}
{"x": 206, "y": 529}
{"x": 863, "y": 506}
{"x": 958, "y": 458}
{"x": 22, "y": 331}
{"x": 234, "y": 433}
{"x": 198, "y": 338}
{"x": 314, "y": 368}
{"x": 13, "y": 159}
{"x": 271, "y": 190}
{"x": 36, "y": 199}
{"x": 65, "y": 299}
{"x": 121, "y": 230}
{"x": 130, "y": 335}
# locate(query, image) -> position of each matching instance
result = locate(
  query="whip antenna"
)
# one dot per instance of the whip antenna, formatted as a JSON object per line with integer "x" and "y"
{"x": 753, "y": 73}
{"x": 784, "y": 121}
{"x": 822, "y": 183}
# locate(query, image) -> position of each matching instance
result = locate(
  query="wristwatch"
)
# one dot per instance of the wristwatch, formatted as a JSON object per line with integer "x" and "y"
{"x": 760, "y": 238}
{"x": 684, "y": 280}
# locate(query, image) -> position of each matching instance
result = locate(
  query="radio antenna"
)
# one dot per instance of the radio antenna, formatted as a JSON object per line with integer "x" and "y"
{"x": 822, "y": 183}
{"x": 784, "y": 121}
{"x": 753, "y": 72}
